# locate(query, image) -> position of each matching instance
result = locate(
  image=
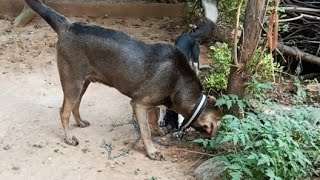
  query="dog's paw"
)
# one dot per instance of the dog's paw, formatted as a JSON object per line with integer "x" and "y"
{"x": 160, "y": 131}
{"x": 84, "y": 123}
{"x": 162, "y": 123}
{"x": 163, "y": 131}
{"x": 72, "y": 141}
{"x": 156, "y": 155}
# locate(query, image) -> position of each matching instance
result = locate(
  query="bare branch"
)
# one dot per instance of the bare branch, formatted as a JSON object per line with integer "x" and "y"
{"x": 293, "y": 51}
{"x": 299, "y": 17}
{"x": 235, "y": 45}
{"x": 300, "y": 9}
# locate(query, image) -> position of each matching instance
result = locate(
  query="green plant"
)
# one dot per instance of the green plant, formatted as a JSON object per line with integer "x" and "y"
{"x": 262, "y": 65}
{"x": 301, "y": 95}
{"x": 269, "y": 142}
{"x": 229, "y": 10}
{"x": 229, "y": 100}
{"x": 218, "y": 77}
{"x": 257, "y": 90}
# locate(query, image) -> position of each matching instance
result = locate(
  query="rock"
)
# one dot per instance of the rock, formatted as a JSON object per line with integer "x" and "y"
{"x": 166, "y": 18}
{"x": 218, "y": 44}
{"x": 313, "y": 87}
{"x": 145, "y": 34}
{"x": 6, "y": 147}
{"x": 209, "y": 170}
{"x": 174, "y": 160}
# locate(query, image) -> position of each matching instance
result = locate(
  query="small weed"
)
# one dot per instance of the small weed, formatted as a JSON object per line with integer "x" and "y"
{"x": 117, "y": 123}
{"x": 153, "y": 178}
{"x": 15, "y": 168}
{"x": 136, "y": 171}
{"x": 85, "y": 150}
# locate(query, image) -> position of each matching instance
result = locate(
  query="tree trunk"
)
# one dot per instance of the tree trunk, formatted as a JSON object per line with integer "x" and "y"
{"x": 248, "y": 44}
{"x": 25, "y": 16}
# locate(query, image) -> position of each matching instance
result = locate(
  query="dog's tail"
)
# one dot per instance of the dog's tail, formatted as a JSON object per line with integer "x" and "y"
{"x": 57, "y": 21}
{"x": 211, "y": 13}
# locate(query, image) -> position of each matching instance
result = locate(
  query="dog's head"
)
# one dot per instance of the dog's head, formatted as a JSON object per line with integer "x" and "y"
{"x": 208, "y": 121}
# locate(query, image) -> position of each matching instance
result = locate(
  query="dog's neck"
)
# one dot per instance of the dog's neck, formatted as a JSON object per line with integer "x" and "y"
{"x": 186, "y": 99}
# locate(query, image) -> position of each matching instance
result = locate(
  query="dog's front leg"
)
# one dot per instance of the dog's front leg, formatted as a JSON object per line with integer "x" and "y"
{"x": 142, "y": 115}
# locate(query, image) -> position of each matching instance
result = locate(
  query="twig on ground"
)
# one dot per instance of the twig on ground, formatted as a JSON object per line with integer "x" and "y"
{"x": 195, "y": 152}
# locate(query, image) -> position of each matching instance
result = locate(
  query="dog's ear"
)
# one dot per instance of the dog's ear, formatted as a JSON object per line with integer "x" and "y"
{"x": 211, "y": 101}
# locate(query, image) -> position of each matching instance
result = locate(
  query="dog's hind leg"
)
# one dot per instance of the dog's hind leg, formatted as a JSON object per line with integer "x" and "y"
{"x": 75, "y": 111}
{"x": 142, "y": 113}
{"x": 72, "y": 84}
{"x": 65, "y": 112}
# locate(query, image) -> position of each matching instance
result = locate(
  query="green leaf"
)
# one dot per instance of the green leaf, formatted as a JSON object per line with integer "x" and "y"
{"x": 234, "y": 167}
{"x": 270, "y": 173}
{"x": 229, "y": 117}
{"x": 236, "y": 175}
{"x": 235, "y": 140}
{"x": 259, "y": 143}
{"x": 226, "y": 138}
{"x": 205, "y": 143}
{"x": 220, "y": 102}
{"x": 247, "y": 171}
{"x": 252, "y": 156}
{"x": 241, "y": 105}
{"x": 264, "y": 160}
{"x": 243, "y": 139}
{"x": 229, "y": 104}
{"x": 233, "y": 96}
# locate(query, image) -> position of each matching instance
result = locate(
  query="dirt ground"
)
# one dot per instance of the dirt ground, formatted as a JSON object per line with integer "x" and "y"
{"x": 31, "y": 136}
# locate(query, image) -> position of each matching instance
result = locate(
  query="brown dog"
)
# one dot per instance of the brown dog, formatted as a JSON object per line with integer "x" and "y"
{"x": 150, "y": 74}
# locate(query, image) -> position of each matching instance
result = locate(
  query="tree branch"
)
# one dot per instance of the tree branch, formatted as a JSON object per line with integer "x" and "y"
{"x": 299, "y": 17}
{"x": 300, "y": 9}
{"x": 235, "y": 45}
{"x": 293, "y": 51}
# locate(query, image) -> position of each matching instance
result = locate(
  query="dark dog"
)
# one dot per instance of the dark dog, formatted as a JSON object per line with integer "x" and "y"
{"x": 189, "y": 46}
{"x": 188, "y": 43}
{"x": 150, "y": 74}
{"x": 169, "y": 119}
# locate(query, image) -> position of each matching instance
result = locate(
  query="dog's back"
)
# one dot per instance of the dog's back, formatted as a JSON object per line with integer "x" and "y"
{"x": 110, "y": 57}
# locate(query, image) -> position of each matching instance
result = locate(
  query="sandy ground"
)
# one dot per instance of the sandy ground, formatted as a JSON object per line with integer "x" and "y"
{"x": 31, "y": 136}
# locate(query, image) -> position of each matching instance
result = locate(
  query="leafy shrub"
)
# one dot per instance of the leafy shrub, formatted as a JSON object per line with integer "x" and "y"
{"x": 229, "y": 10}
{"x": 261, "y": 67}
{"x": 218, "y": 76}
{"x": 269, "y": 142}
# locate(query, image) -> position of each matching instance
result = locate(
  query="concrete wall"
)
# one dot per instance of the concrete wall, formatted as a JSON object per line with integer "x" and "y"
{"x": 112, "y": 8}
{"x": 108, "y": 1}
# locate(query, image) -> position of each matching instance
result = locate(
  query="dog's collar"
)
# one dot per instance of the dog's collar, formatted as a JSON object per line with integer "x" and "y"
{"x": 196, "y": 111}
